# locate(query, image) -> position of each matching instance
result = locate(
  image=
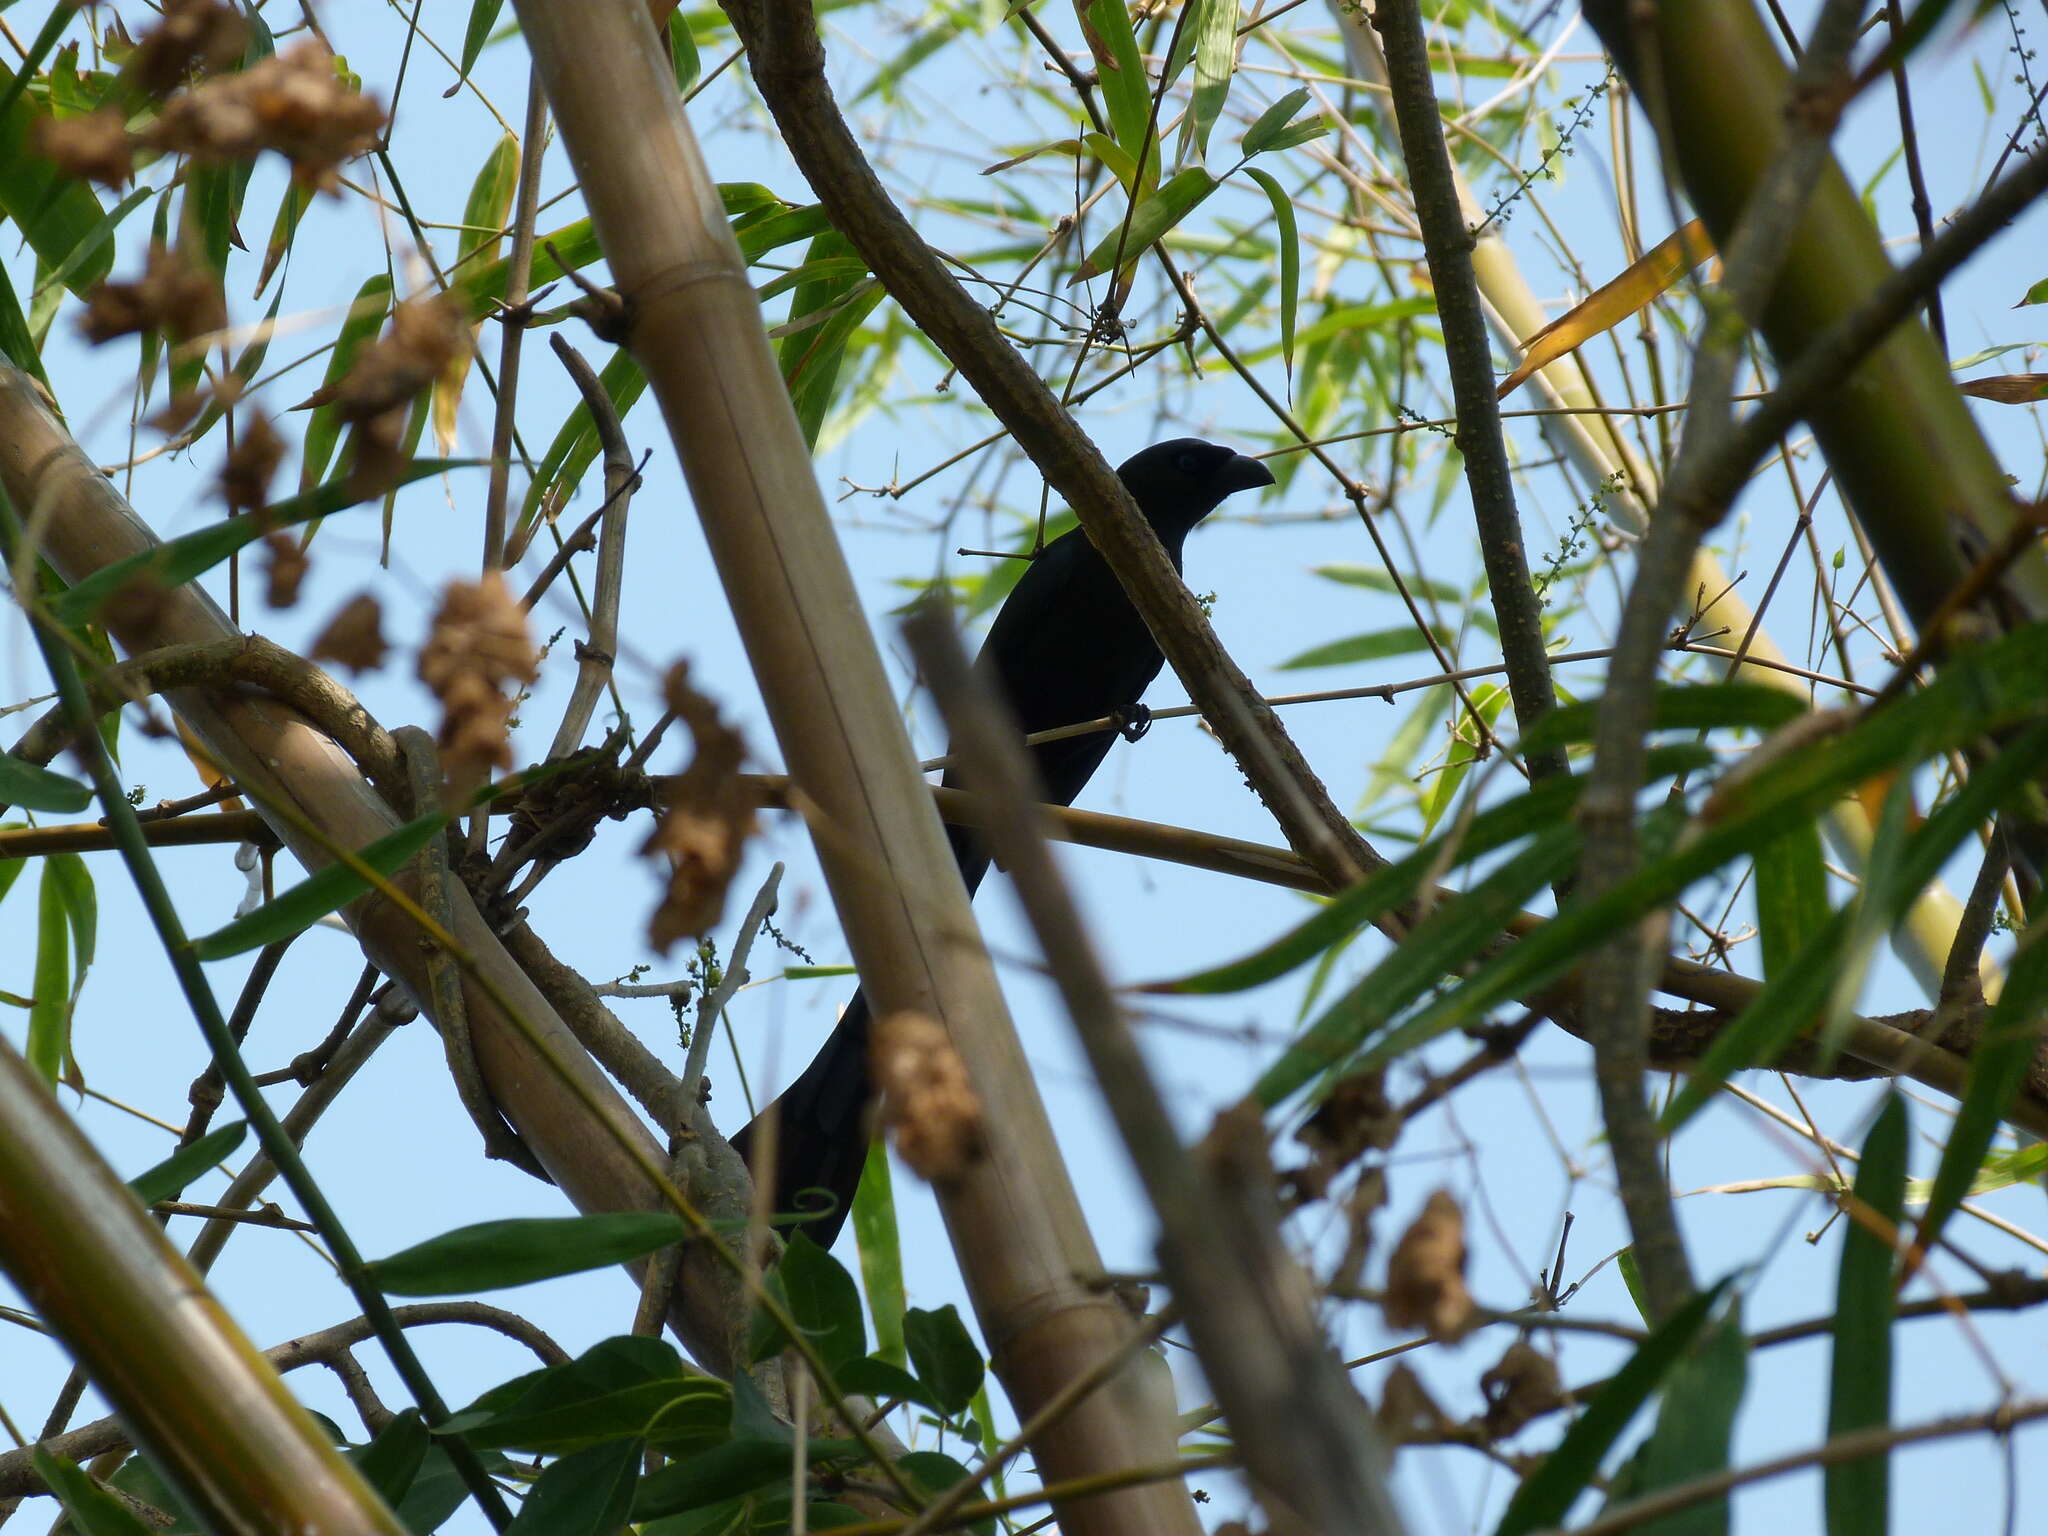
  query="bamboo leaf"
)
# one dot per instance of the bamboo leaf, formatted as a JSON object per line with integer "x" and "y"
{"x": 168, "y": 1178}
{"x": 327, "y": 890}
{"x": 1857, "y": 1493}
{"x": 1290, "y": 260}
{"x": 881, "y": 1253}
{"x": 1154, "y": 217}
{"x": 1551, "y": 1490}
{"x": 35, "y": 788}
{"x": 1266, "y": 129}
{"x": 494, "y": 1254}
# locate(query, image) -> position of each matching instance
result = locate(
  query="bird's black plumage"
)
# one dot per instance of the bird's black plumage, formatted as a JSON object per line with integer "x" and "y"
{"x": 1066, "y": 646}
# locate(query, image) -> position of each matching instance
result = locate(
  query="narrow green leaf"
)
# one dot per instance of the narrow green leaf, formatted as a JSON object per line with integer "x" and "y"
{"x": 1378, "y": 645}
{"x": 1695, "y": 1429}
{"x": 682, "y": 53}
{"x": 1998, "y": 1066}
{"x": 1289, "y": 242}
{"x": 575, "y": 446}
{"x": 1126, "y": 92}
{"x": 93, "y": 1510}
{"x": 168, "y": 1178}
{"x": 1437, "y": 947}
{"x": 1985, "y": 690}
{"x": 328, "y": 890}
{"x": 1789, "y": 1004}
{"x": 881, "y": 1252}
{"x": 177, "y": 561}
{"x": 1677, "y": 707}
{"x": 49, "y": 1016}
{"x": 17, "y": 341}
{"x": 1550, "y": 1491}
{"x": 1210, "y": 37}
{"x": 1791, "y": 895}
{"x": 942, "y": 1353}
{"x": 494, "y": 1254}
{"x": 1265, "y": 131}
{"x": 358, "y": 328}
{"x": 810, "y": 358}
{"x": 35, "y": 788}
{"x": 587, "y": 1493}
{"x": 1858, "y": 1493}
{"x": 1155, "y": 216}
{"x": 1542, "y": 805}
{"x": 483, "y": 18}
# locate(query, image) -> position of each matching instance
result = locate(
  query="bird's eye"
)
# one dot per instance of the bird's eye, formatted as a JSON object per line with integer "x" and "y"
{"x": 1185, "y": 463}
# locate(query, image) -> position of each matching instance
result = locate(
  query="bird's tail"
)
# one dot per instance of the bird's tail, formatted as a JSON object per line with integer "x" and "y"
{"x": 821, "y": 1129}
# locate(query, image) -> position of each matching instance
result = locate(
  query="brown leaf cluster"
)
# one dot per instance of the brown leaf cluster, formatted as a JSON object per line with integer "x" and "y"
{"x": 294, "y": 102}
{"x": 354, "y": 637}
{"x": 285, "y": 569}
{"x": 476, "y": 645}
{"x": 94, "y": 145}
{"x": 1426, "y": 1274}
{"x": 177, "y": 294}
{"x": 933, "y": 1109}
{"x": 205, "y": 35}
{"x": 252, "y": 464}
{"x": 706, "y": 822}
{"x": 1408, "y": 1415}
{"x": 1522, "y": 1385}
{"x": 384, "y": 379}
{"x": 1355, "y": 1118}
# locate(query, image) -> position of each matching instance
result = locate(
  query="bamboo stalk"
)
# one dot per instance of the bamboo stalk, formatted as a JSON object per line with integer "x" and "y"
{"x": 697, "y": 333}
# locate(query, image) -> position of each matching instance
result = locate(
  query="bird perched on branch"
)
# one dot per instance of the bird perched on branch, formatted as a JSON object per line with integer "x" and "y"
{"x": 1066, "y": 646}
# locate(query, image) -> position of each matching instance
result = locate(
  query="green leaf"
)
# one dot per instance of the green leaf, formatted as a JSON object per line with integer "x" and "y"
{"x": 54, "y": 213}
{"x": 1788, "y": 1005}
{"x": 1985, "y": 690}
{"x": 881, "y": 1254}
{"x": 1119, "y": 69}
{"x": 1264, "y": 133}
{"x": 1791, "y": 896}
{"x": 49, "y": 1015}
{"x": 1688, "y": 707}
{"x": 1542, "y": 805}
{"x": 1289, "y": 242}
{"x": 1857, "y": 1496}
{"x": 1455, "y": 931}
{"x": 328, "y": 890}
{"x": 483, "y": 18}
{"x": 821, "y": 1301}
{"x": 1998, "y": 1066}
{"x": 1402, "y": 640}
{"x": 942, "y": 1353}
{"x": 37, "y": 789}
{"x": 392, "y": 1461}
{"x": 810, "y": 358}
{"x": 620, "y": 1387}
{"x": 881, "y": 1381}
{"x": 587, "y": 1493}
{"x": 358, "y": 328}
{"x": 934, "y": 1472}
{"x": 17, "y": 341}
{"x": 1209, "y": 36}
{"x": 575, "y": 446}
{"x": 168, "y": 1178}
{"x": 93, "y": 1510}
{"x": 1695, "y": 1428}
{"x": 1154, "y": 217}
{"x": 728, "y": 1471}
{"x": 494, "y": 1254}
{"x": 682, "y": 53}
{"x": 177, "y": 561}
{"x": 81, "y": 909}
{"x": 1548, "y": 1494}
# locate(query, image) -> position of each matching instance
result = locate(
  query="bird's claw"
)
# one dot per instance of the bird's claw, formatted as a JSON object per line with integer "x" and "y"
{"x": 1133, "y": 722}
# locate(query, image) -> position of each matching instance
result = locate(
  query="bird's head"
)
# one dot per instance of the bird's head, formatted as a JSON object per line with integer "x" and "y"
{"x": 1176, "y": 484}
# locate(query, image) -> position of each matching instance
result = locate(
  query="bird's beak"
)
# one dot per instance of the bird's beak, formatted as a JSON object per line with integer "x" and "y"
{"x": 1244, "y": 474}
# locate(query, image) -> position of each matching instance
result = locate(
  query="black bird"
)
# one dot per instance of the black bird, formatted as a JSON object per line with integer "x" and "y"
{"x": 1067, "y": 646}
